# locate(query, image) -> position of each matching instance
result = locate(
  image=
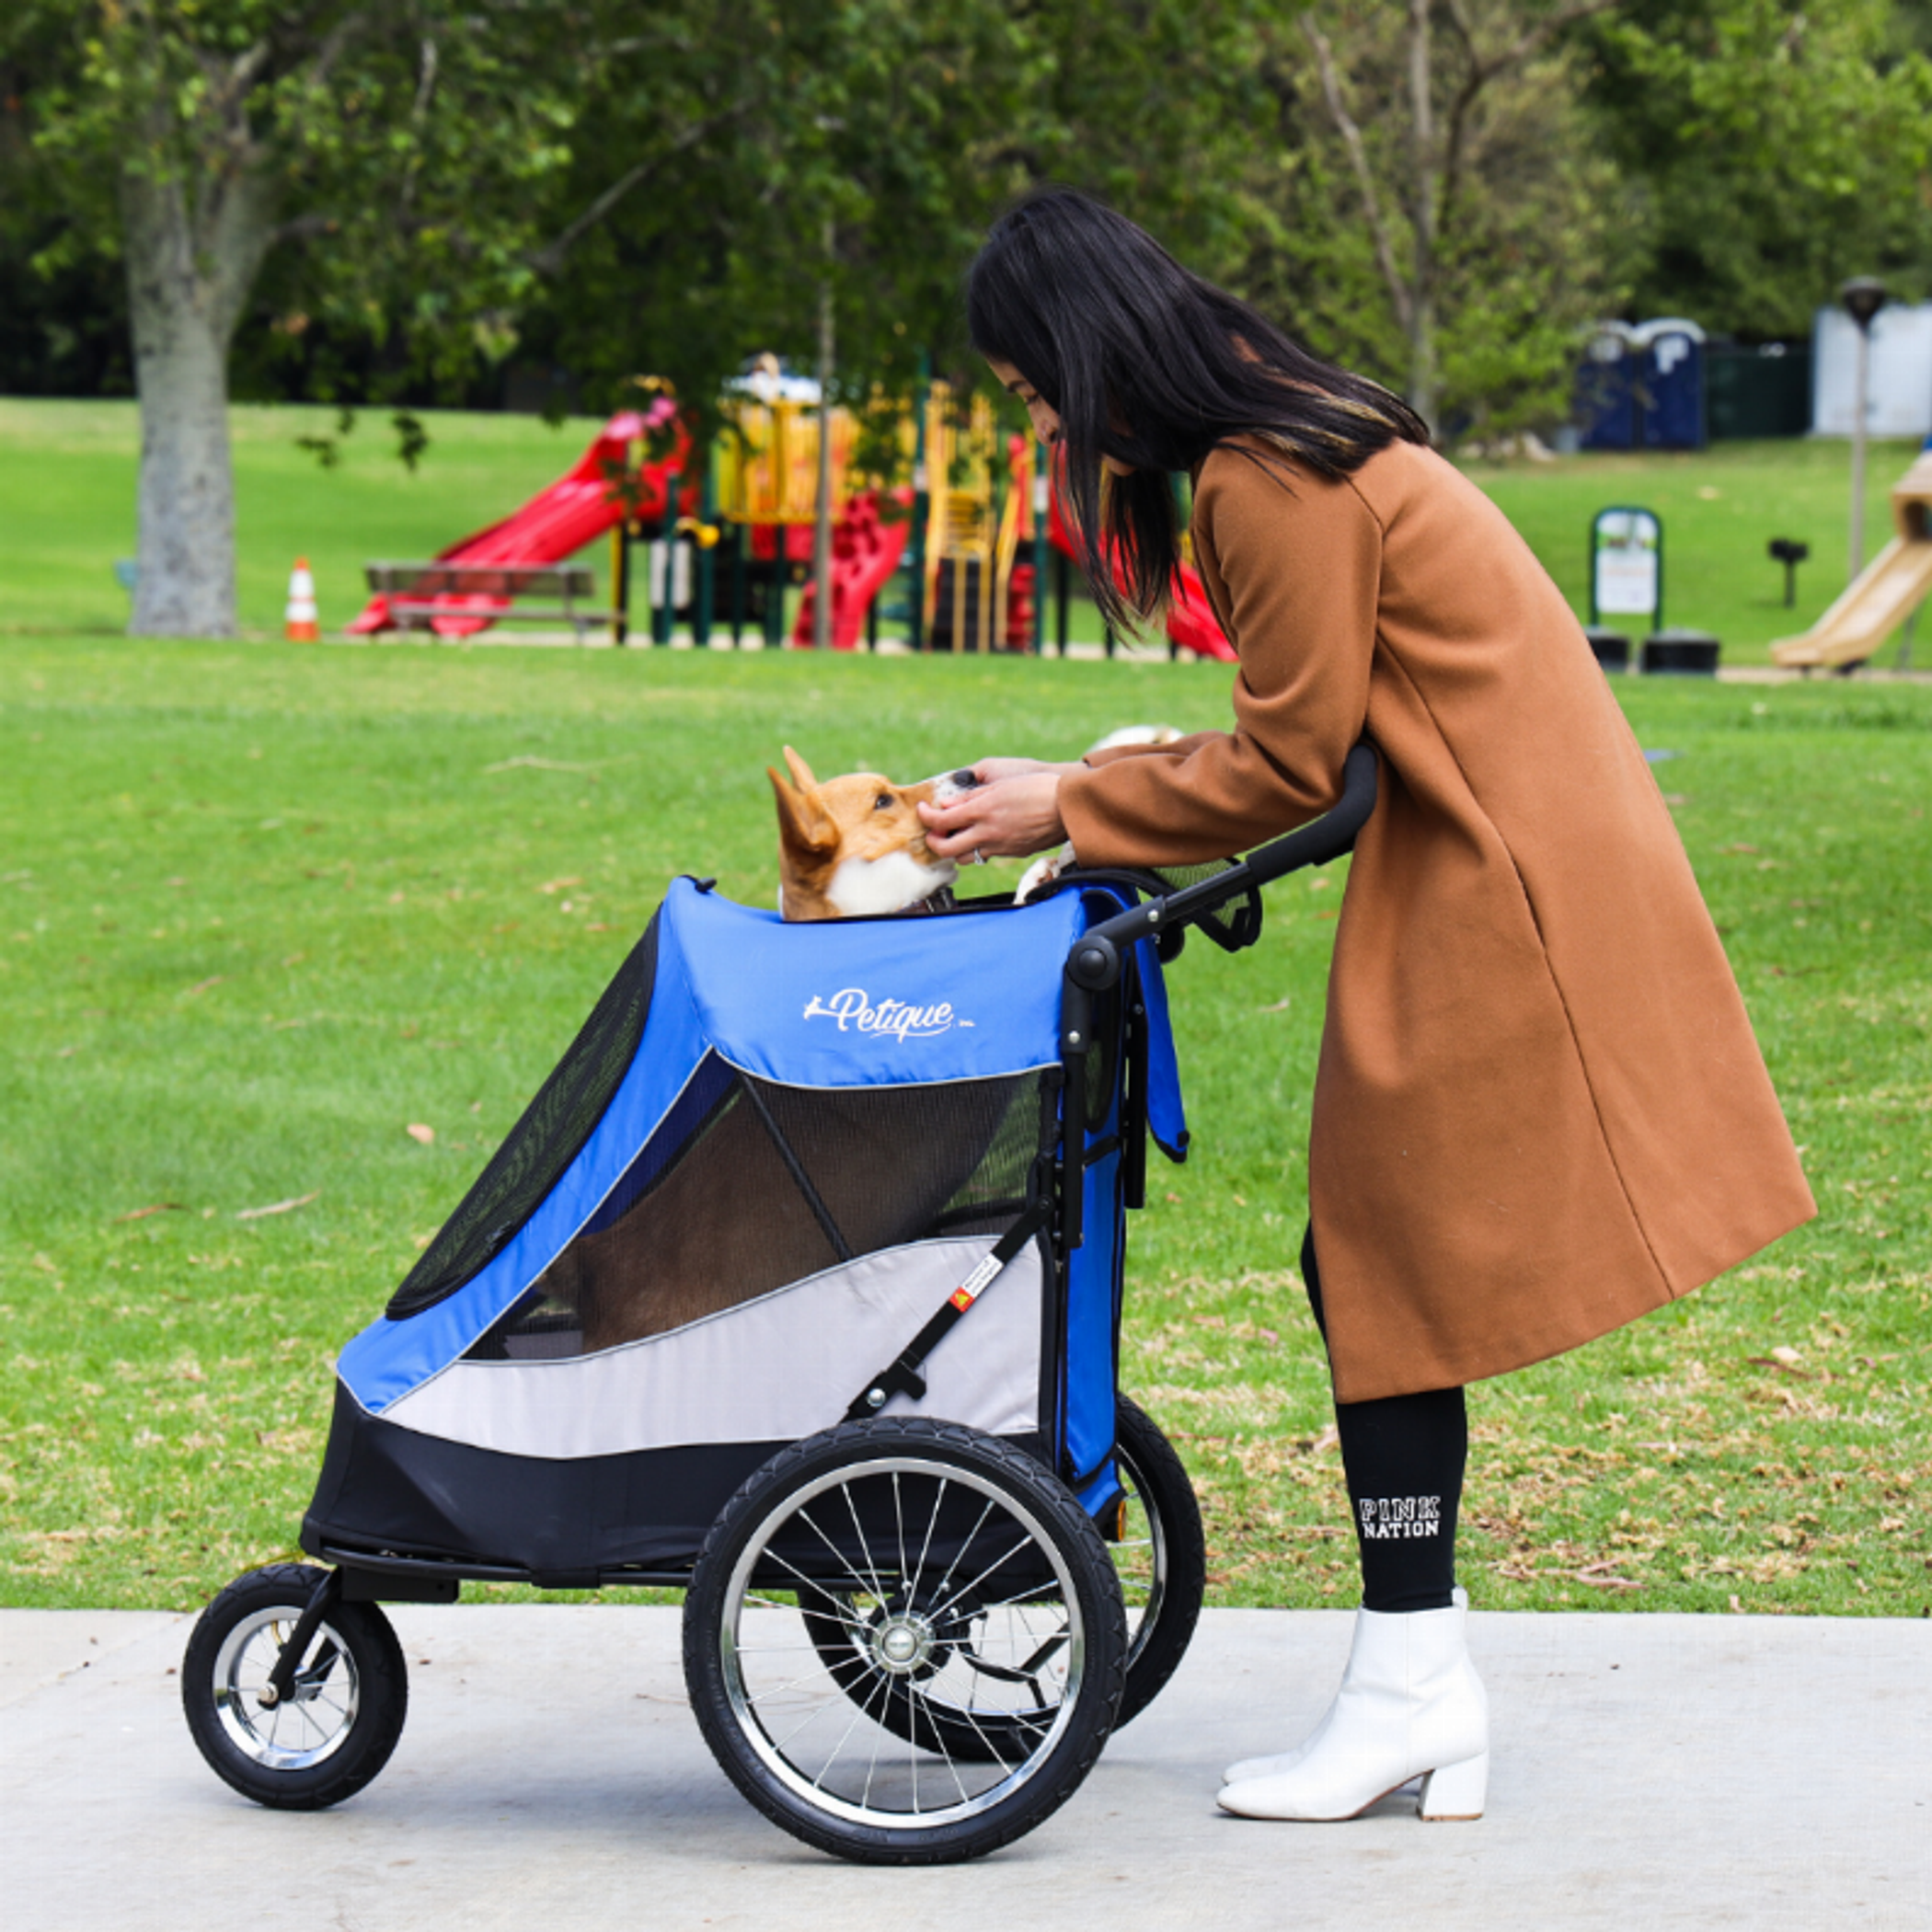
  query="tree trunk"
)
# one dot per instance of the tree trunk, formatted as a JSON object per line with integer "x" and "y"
{"x": 186, "y": 281}
{"x": 1424, "y": 385}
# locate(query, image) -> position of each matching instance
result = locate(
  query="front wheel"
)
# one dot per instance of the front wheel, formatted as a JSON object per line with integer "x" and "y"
{"x": 345, "y": 1709}
{"x": 874, "y": 1597}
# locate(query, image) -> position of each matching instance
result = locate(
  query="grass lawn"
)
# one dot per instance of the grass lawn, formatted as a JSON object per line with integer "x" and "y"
{"x": 1719, "y": 507}
{"x": 68, "y": 512}
{"x": 267, "y": 908}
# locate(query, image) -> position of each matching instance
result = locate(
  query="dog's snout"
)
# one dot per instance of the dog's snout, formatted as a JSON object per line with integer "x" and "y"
{"x": 966, "y": 780}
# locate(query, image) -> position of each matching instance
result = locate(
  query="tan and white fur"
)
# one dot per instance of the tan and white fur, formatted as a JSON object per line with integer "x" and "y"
{"x": 855, "y": 845}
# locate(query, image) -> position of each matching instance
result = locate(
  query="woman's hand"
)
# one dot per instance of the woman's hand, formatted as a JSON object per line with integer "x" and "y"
{"x": 1014, "y": 812}
{"x": 990, "y": 771}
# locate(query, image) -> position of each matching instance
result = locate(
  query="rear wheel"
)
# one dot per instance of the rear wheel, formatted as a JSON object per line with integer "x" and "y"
{"x": 1159, "y": 1552}
{"x": 877, "y": 1596}
{"x": 344, "y": 1711}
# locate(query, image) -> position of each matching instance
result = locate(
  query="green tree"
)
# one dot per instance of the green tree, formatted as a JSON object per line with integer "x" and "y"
{"x": 904, "y": 127}
{"x": 398, "y": 145}
{"x": 1435, "y": 208}
{"x": 1780, "y": 147}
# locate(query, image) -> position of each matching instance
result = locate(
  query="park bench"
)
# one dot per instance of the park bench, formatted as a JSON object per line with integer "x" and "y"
{"x": 420, "y": 593}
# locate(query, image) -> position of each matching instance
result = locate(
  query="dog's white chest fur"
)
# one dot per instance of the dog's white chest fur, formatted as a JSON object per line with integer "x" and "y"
{"x": 859, "y": 887}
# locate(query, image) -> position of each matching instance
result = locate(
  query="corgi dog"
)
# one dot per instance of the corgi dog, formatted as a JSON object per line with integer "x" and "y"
{"x": 854, "y": 846}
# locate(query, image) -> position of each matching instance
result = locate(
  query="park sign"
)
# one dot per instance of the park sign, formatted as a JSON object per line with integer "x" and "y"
{"x": 1627, "y": 565}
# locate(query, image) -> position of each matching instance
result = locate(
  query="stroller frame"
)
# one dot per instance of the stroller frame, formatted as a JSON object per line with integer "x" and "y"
{"x": 1015, "y": 1530}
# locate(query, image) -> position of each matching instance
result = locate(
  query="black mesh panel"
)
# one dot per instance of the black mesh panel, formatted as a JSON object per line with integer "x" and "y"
{"x": 751, "y": 1186}
{"x": 544, "y": 1143}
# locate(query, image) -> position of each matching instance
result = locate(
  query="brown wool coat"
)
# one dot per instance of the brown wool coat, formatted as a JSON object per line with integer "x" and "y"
{"x": 1540, "y": 1111}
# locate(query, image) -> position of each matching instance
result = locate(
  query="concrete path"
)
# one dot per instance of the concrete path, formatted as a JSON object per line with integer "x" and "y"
{"x": 1650, "y": 1771}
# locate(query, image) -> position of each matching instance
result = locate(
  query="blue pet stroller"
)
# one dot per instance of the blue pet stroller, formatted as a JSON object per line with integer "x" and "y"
{"x": 797, "y": 1287}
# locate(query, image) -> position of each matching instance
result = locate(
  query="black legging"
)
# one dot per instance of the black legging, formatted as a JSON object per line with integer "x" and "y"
{"x": 1403, "y": 1457}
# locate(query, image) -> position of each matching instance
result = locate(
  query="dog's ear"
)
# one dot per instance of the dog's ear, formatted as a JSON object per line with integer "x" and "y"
{"x": 805, "y": 827}
{"x": 800, "y": 772}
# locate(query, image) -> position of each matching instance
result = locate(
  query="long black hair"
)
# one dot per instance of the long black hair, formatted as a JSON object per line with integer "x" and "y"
{"x": 1146, "y": 363}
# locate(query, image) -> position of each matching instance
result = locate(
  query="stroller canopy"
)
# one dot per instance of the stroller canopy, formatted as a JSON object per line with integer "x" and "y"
{"x": 717, "y": 997}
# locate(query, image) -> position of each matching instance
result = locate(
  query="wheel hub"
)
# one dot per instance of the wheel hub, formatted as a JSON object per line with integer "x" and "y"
{"x": 903, "y": 1643}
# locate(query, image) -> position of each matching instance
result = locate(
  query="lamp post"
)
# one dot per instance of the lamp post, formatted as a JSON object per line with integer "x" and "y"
{"x": 1863, "y": 297}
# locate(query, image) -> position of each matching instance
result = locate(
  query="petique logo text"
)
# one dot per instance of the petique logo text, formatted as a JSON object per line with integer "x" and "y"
{"x": 855, "y": 1013}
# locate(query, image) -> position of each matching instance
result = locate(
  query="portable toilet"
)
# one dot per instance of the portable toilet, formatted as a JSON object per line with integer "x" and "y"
{"x": 1670, "y": 362}
{"x": 1606, "y": 407}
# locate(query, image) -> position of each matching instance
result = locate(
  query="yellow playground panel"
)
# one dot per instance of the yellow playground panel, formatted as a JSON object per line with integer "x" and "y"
{"x": 977, "y": 508}
{"x": 1884, "y": 594}
{"x": 768, "y": 466}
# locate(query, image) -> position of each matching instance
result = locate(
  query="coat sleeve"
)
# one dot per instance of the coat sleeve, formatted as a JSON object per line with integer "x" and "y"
{"x": 1297, "y": 562}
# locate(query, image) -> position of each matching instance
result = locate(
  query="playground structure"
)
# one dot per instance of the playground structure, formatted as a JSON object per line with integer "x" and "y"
{"x": 1884, "y": 594}
{"x": 964, "y": 535}
{"x": 959, "y": 558}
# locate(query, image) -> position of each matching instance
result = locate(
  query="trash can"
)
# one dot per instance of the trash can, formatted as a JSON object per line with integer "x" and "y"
{"x": 1680, "y": 653}
{"x": 1612, "y": 647}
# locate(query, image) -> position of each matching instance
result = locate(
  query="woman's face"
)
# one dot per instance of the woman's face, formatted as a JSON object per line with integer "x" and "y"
{"x": 1046, "y": 418}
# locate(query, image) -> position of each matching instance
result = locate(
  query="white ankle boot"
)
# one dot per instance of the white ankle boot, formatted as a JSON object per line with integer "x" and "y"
{"x": 1252, "y": 1768}
{"x": 1410, "y": 1704}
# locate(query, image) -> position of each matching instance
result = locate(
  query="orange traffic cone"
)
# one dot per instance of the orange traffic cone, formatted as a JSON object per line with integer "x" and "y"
{"x": 299, "y": 625}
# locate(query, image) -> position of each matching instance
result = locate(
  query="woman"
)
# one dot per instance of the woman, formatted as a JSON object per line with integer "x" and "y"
{"x": 1539, "y": 1110}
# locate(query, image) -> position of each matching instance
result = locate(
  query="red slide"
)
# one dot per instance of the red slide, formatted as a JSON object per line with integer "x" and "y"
{"x": 1192, "y": 622}
{"x": 866, "y": 549}
{"x": 556, "y": 522}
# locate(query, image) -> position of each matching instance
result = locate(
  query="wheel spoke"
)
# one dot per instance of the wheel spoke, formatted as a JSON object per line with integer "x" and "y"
{"x": 865, "y": 1548}
{"x": 805, "y": 1518}
{"x": 966, "y": 1588}
{"x": 938, "y": 1732}
{"x": 899, "y": 1524}
{"x": 1007, "y": 1603}
{"x": 810, "y": 1716}
{"x": 757, "y": 1600}
{"x": 932, "y": 1524}
{"x": 817, "y": 1589}
{"x": 858, "y": 1712}
{"x": 1050, "y": 1648}
{"x": 879, "y": 1734}
{"x": 960, "y": 1557}
{"x": 999, "y": 1757}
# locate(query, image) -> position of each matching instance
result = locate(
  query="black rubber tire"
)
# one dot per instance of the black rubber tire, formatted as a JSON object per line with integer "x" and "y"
{"x": 1155, "y": 1475}
{"x": 874, "y": 1447}
{"x": 354, "y": 1646}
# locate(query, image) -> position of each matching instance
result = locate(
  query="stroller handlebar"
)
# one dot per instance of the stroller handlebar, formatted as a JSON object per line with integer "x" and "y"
{"x": 1095, "y": 961}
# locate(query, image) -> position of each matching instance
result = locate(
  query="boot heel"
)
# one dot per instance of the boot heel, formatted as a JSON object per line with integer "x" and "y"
{"x": 1457, "y": 1791}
